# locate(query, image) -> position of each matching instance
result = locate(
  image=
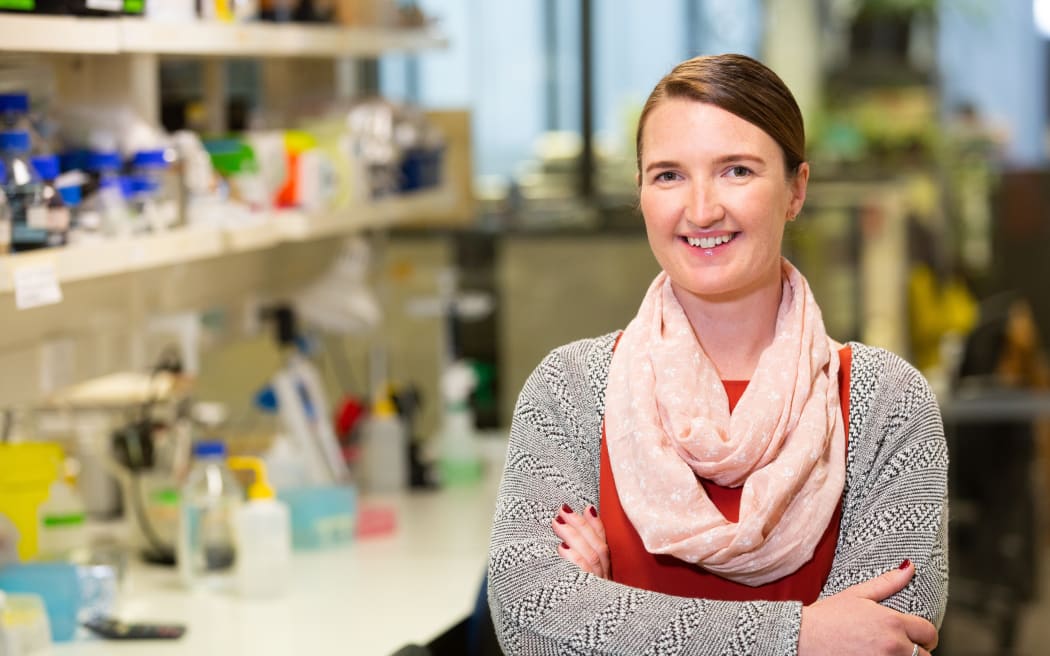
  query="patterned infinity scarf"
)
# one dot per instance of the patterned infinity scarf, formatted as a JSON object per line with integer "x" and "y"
{"x": 667, "y": 422}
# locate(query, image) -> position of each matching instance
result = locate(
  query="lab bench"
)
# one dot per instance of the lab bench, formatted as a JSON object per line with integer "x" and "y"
{"x": 368, "y": 598}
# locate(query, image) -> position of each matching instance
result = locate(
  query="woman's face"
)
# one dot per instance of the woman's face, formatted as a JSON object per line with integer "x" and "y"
{"x": 716, "y": 198}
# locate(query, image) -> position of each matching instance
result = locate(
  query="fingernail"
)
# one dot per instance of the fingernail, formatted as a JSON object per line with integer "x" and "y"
{"x": 905, "y": 564}
{"x": 593, "y": 511}
{"x": 566, "y": 509}
{"x": 564, "y": 546}
{"x": 559, "y": 519}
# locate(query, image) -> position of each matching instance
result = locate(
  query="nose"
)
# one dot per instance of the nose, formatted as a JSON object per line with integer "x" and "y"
{"x": 705, "y": 206}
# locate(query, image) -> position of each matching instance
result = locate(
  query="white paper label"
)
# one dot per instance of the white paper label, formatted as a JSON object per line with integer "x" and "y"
{"x": 36, "y": 217}
{"x": 36, "y": 285}
{"x": 105, "y": 5}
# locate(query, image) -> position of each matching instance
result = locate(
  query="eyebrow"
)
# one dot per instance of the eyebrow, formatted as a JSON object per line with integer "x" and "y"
{"x": 725, "y": 159}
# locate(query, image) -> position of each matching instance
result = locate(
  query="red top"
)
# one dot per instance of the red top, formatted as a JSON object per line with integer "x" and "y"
{"x": 632, "y": 565}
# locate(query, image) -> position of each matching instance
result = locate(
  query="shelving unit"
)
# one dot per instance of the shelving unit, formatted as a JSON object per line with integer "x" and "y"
{"x": 120, "y": 284}
{"x": 117, "y": 256}
{"x": 71, "y": 35}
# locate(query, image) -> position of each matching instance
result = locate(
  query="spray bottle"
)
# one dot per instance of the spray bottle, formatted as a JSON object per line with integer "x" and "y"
{"x": 459, "y": 462}
{"x": 262, "y": 533}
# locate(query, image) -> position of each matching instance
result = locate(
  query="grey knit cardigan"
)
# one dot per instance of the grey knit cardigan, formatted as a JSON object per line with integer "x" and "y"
{"x": 894, "y": 507}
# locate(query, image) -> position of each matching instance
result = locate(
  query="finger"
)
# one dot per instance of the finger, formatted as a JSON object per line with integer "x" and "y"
{"x": 578, "y": 559}
{"x": 585, "y": 523}
{"x": 884, "y": 585}
{"x": 590, "y": 514}
{"x": 595, "y": 561}
{"x": 921, "y": 631}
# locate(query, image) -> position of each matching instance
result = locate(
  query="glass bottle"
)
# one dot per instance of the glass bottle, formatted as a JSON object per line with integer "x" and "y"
{"x": 210, "y": 496}
{"x": 24, "y": 193}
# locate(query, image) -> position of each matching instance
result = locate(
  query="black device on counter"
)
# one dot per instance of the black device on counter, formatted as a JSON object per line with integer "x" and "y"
{"x": 114, "y": 629}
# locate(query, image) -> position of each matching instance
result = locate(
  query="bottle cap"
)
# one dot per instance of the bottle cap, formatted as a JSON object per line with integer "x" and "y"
{"x": 383, "y": 405}
{"x": 46, "y": 166}
{"x": 16, "y": 140}
{"x": 14, "y": 102}
{"x": 260, "y": 487}
{"x": 207, "y": 448}
{"x": 103, "y": 161}
{"x": 150, "y": 159}
{"x": 70, "y": 195}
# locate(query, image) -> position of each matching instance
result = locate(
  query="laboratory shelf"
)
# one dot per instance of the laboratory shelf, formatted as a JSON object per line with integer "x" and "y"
{"x": 269, "y": 40}
{"x": 131, "y": 254}
{"x": 61, "y": 34}
{"x": 409, "y": 208}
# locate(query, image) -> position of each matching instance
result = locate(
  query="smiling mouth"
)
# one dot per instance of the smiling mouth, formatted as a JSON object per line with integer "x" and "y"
{"x": 709, "y": 242}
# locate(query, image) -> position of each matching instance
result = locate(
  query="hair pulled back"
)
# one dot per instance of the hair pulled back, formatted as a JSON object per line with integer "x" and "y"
{"x": 742, "y": 86}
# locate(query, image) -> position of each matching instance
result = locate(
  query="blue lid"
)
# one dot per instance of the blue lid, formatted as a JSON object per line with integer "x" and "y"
{"x": 150, "y": 159}
{"x": 15, "y": 140}
{"x": 14, "y": 102}
{"x": 46, "y": 166}
{"x": 207, "y": 448}
{"x": 70, "y": 195}
{"x": 127, "y": 187}
{"x": 3, "y": 172}
{"x": 103, "y": 161}
{"x": 140, "y": 184}
{"x": 72, "y": 160}
{"x": 110, "y": 182}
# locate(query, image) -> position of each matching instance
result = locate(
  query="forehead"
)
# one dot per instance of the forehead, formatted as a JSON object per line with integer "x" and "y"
{"x": 680, "y": 124}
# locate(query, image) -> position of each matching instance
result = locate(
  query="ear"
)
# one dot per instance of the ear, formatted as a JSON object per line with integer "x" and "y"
{"x": 798, "y": 184}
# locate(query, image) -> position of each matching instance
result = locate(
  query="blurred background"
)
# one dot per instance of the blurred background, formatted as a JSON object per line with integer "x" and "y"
{"x": 339, "y": 236}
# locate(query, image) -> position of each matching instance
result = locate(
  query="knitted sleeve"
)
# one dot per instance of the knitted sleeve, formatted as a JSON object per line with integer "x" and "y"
{"x": 544, "y": 605}
{"x": 897, "y": 484}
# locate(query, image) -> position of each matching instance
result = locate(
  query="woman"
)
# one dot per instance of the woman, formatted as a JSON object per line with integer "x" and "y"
{"x": 640, "y": 512}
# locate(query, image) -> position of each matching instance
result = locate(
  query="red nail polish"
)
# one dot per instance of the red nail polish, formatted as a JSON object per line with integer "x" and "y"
{"x": 566, "y": 509}
{"x": 905, "y": 564}
{"x": 559, "y": 519}
{"x": 593, "y": 511}
{"x": 564, "y": 546}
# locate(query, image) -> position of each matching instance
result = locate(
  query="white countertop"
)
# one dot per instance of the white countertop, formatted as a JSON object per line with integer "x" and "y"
{"x": 369, "y": 598}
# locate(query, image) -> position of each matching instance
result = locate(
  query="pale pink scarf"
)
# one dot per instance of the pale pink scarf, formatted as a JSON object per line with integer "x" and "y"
{"x": 667, "y": 422}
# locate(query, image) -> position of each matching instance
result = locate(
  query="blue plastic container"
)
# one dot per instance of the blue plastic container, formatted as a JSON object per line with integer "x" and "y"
{"x": 70, "y": 592}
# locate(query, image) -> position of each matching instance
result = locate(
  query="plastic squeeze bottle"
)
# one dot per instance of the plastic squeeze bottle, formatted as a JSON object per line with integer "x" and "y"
{"x": 262, "y": 533}
{"x": 384, "y": 448}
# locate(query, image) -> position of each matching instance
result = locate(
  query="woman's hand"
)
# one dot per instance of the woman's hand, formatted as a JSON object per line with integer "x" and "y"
{"x": 583, "y": 539}
{"x": 853, "y": 621}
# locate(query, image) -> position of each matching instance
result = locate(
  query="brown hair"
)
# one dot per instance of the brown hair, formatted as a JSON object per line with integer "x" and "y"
{"x": 742, "y": 86}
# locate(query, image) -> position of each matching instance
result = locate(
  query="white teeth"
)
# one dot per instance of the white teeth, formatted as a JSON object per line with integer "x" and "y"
{"x": 708, "y": 242}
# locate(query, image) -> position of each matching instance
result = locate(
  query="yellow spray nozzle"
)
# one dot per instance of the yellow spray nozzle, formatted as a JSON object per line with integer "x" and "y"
{"x": 260, "y": 487}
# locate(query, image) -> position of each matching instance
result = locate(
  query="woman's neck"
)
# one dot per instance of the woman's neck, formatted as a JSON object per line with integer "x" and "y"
{"x": 734, "y": 331}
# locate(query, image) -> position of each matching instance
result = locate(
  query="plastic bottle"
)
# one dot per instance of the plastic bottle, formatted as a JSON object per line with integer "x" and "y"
{"x": 24, "y": 628}
{"x": 157, "y": 175}
{"x": 58, "y": 213}
{"x": 24, "y": 193}
{"x": 104, "y": 212}
{"x": 459, "y": 461}
{"x": 205, "y": 551}
{"x": 61, "y": 522}
{"x": 384, "y": 448}
{"x": 262, "y": 530}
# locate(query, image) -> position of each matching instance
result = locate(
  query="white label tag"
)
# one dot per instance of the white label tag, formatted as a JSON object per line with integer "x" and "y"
{"x": 105, "y": 5}
{"x": 36, "y": 217}
{"x": 36, "y": 285}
